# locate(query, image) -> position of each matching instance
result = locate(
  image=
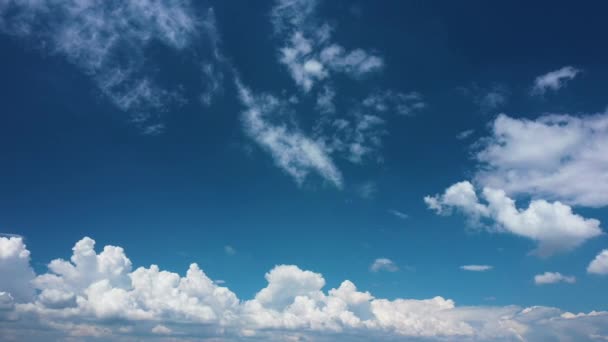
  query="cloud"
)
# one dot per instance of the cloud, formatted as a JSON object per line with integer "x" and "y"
{"x": 558, "y": 157}
{"x": 229, "y": 250}
{"x": 108, "y": 41}
{"x": 397, "y": 102}
{"x": 552, "y": 225}
{"x": 553, "y": 278}
{"x": 476, "y": 268}
{"x": 161, "y": 330}
{"x": 465, "y": 134}
{"x": 293, "y": 151}
{"x": 15, "y": 270}
{"x": 554, "y": 80}
{"x": 599, "y": 265}
{"x": 98, "y": 295}
{"x": 383, "y": 264}
{"x": 367, "y": 190}
{"x": 399, "y": 214}
{"x": 307, "y": 49}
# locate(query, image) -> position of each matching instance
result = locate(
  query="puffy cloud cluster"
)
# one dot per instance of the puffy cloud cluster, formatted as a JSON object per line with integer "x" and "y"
{"x": 599, "y": 265}
{"x": 107, "y": 40}
{"x": 16, "y": 273}
{"x": 552, "y": 225}
{"x": 99, "y": 295}
{"x": 558, "y": 157}
{"x": 554, "y": 80}
{"x": 308, "y": 52}
{"x": 553, "y": 278}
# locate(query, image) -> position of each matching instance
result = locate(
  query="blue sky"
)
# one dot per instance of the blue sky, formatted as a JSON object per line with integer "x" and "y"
{"x": 447, "y": 159}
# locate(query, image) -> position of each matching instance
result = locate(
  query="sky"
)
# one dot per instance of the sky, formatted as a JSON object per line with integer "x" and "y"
{"x": 303, "y": 170}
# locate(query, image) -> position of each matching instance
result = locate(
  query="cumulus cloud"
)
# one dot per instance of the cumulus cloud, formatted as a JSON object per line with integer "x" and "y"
{"x": 383, "y": 264}
{"x": 553, "y": 278}
{"x": 552, "y": 225}
{"x": 554, "y": 80}
{"x": 308, "y": 51}
{"x": 108, "y": 40}
{"x": 476, "y": 268}
{"x": 599, "y": 265}
{"x": 98, "y": 295}
{"x": 558, "y": 157}
{"x": 15, "y": 269}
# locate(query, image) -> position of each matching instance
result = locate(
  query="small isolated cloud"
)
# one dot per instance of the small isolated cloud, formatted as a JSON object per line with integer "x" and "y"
{"x": 399, "y": 214}
{"x": 367, "y": 190}
{"x": 465, "y": 134}
{"x": 476, "y": 268}
{"x": 229, "y": 250}
{"x": 599, "y": 265}
{"x": 396, "y": 102}
{"x": 161, "y": 330}
{"x": 487, "y": 98}
{"x": 554, "y": 80}
{"x": 552, "y": 225}
{"x": 558, "y": 157}
{"x": 553, "y": 278}
{"x": 383, "y": 264}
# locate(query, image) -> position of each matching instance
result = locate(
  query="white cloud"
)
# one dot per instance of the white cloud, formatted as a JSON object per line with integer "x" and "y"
{"x": 229, "y": 250}
{"x": 493, "y": 99}
{"x": 113, "y": 303}
{"x": 558, "y": 157}
{"x": 465, "y": 134}
{"x": 599, "y": 265}
{"x": 476, "y": 268}
{"x": 307, "y": 49}
{"x": 399, "y": 214}
{"x": 161, "y": 330}
{"x": 397, "y": 102}
{"x": 552, "y": 225}
{"x": 108, "y": 40}
{"x": 293, "y": 151}
{"x": 554, "y": 80}
{"x": 16, "y": 273}
{"x": 553, "y": 278}
{"x": 383, "y": 264}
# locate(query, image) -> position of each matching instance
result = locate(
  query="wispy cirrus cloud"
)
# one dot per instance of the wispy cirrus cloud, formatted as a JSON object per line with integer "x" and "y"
{"x": 108, "y": 41}
{"x": 554, "y": 80}
{"x": 292, "y": 150}
{"x": 476, "y": 268}
{"x": 308, "y": 50}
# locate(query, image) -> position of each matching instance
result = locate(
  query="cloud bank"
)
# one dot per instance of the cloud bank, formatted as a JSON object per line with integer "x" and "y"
{"x": 99, "y": 295}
